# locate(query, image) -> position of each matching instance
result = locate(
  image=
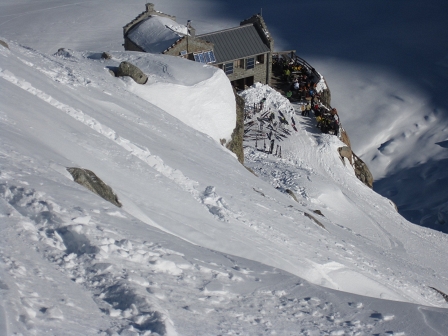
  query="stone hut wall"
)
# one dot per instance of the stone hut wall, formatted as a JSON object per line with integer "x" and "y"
{"x": 262, "y": 28}
{"x": 259, "y": 72}
{"x": 190, "y": 44}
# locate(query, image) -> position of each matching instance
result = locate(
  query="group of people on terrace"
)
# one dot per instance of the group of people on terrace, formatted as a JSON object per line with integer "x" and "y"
{"x": 302, "y": 88}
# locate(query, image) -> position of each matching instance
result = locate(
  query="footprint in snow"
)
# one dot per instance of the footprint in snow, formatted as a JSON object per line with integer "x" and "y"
{"x": 215, "y": 204}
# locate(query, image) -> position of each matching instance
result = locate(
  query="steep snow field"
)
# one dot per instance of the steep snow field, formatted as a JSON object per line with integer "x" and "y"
{"x": 201, "y": 246}
{"x": 140, "y": 268}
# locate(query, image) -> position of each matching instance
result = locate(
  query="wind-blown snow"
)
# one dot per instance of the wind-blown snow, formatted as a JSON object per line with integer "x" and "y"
{"x": 201, "y": 246}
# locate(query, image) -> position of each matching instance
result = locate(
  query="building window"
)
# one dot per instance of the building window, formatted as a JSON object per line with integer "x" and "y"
{"x": 260, "y": 59}
{"x": 228, "y": 68}
{"x": 250, "y": 63}
{"x": 239, "y": 63}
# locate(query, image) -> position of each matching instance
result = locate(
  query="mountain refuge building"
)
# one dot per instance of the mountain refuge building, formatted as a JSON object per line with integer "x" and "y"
{"x": 244, "y": 53}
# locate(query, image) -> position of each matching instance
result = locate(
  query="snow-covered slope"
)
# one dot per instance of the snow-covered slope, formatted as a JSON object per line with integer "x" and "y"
{"x": 385, "y": 63}
{"x": 183, "y": 254}
{"x": 198, "y": 234}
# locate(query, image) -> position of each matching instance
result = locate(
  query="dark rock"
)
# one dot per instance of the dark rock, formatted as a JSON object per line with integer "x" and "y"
{"x": 236, "y": 143}
{"x": 445, "y": 296}
{"x": 362, "y": 171}
{"x": 3, "y": 43}
{"x": 318, "y": 212}
{"x": 128, "y": 69}
{"x": 314, "y": 220}
{"x": 88, "y": 179}
{"x": 325, "y": 96}
{"x": 106, "y": 55}
{"x": 258, "y": 191}
{"x": 291, "y": 193}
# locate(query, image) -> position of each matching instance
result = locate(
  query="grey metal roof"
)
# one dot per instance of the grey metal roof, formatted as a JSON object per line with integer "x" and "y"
{"x": 236, "y": 43}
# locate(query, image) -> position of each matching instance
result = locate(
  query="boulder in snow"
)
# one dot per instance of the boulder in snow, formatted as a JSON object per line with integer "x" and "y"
{"x": 3, "y": 43}
{"x": 128, "y": 69}
{"x": 88, "y": 179}
{"x": 106, "y": 55}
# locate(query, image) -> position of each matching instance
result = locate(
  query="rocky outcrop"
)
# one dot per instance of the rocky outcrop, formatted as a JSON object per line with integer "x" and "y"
{"x": 3, "y": 43}
{"x": 88, "y": 179}
{"x": 236, "y": 142}
{"x": 325, "y": 95}
{"x": 362, "y": 172}
{"x": 445, "y": 296}
{"x": 346, "y": 152}
{"x": 345, "y": 139}
{"x": 129, "y": 69}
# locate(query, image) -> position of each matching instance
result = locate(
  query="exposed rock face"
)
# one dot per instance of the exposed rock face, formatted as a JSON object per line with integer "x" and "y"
{"x": 236, "y": 143}
{"x": 346, "y": 152}
{"x": 345, "y": 139}
{"x": 88, "y": 179}
{"x": 325, "y": 96}
{"x": 362, "y": 172}
{"x": 3, "y": 43}
{"x": 128, "y": 69}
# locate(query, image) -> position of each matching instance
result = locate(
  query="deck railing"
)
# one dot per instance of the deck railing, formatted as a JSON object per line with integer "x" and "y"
{"x": 291, "y": 55}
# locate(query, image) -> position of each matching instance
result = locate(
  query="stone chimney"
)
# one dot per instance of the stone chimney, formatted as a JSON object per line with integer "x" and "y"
{"x": 191, "y": 30}
{"x": 149, "y": 7}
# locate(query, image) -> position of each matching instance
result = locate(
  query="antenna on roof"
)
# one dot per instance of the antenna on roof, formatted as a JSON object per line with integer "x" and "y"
{"x": 261, "y": 11}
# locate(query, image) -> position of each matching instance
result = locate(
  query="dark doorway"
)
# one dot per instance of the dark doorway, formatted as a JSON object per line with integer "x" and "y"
{"x": 240, "y": 84}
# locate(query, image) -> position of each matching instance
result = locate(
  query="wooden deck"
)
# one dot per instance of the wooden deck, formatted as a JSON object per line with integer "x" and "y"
{"x": 279, "y": 84}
